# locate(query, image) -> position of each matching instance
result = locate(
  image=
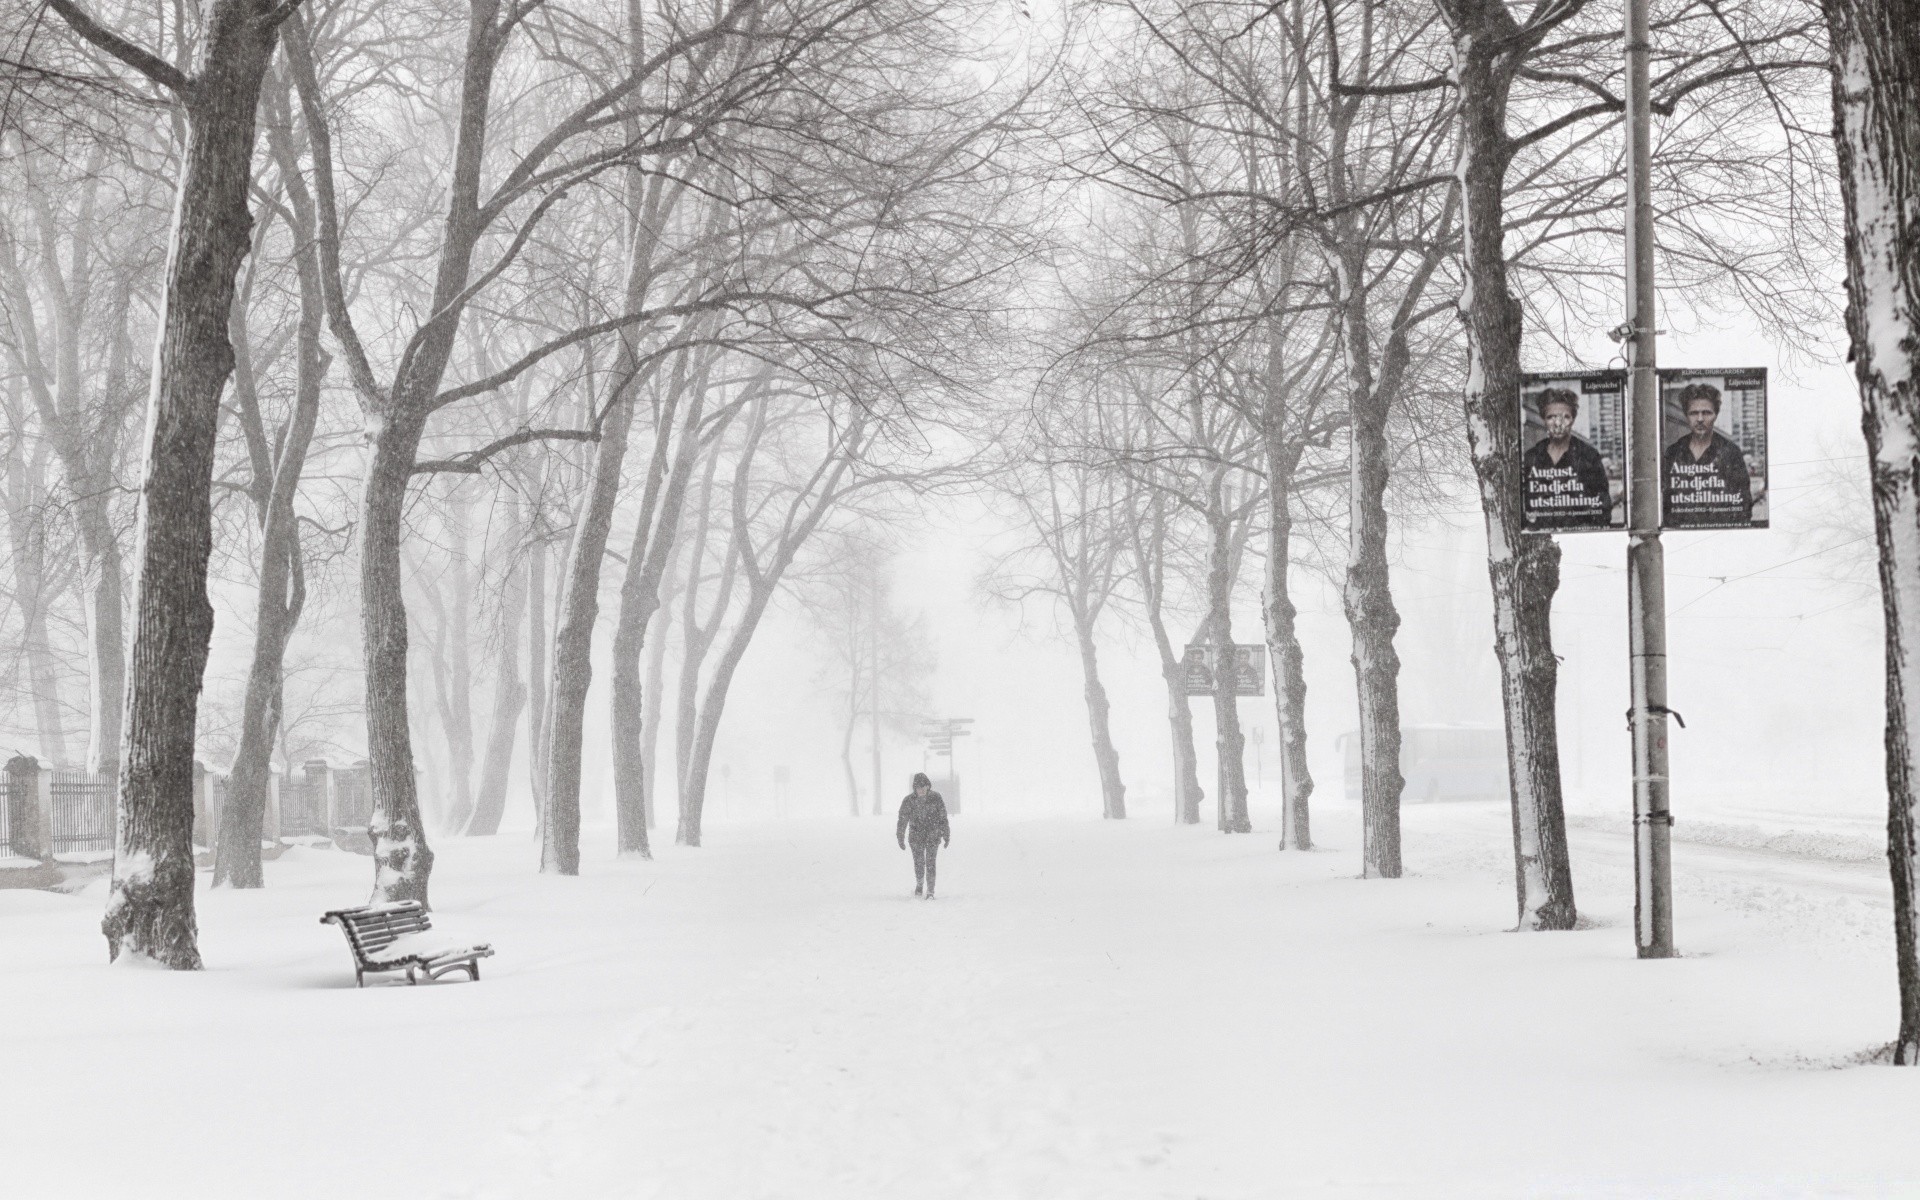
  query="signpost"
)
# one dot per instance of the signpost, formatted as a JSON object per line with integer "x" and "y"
{"x": 940, "y": 734}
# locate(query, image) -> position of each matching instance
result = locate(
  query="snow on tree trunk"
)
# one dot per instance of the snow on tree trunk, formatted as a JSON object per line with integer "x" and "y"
{"x": 150, "y": 907}
{"x": 1876, "y": 102}
{"x": 1524, "y": 569}
{"x": 1284, "y": 652}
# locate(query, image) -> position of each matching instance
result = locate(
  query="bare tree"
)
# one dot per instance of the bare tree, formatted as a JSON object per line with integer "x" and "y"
{"x": 276, "y": 464}
{"x": 1071, "y": 510}
{"x": 1876, "y": 99}
{"x": 150, "y": 912}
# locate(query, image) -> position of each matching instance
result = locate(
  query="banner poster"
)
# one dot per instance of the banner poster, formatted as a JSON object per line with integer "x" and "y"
{"x": 1713, "y": 460}
{"x": 1573, "y": 451}
{"x": 1247, "y": 662}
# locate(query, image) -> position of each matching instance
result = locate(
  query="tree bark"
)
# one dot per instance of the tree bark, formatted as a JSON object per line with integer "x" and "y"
{"x": 403, "y": 862}
{"x": 1284, "y": 652}
{"x": 150, "y": 908}
{"x": 1113, "y": 793}
{"x": 1368, "y": 597}
{"x": 1488, "y": 47}
{"x": 1876, "y": 96}
{"x": 1229, "y": 743}
{"x": 573, "y": 639}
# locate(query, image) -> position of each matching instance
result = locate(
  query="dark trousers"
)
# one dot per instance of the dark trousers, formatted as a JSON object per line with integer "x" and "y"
{"x": 925, "y": 854}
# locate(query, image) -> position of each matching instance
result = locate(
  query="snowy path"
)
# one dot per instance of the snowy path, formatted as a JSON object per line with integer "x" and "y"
{"x": 1091, "y": 1009}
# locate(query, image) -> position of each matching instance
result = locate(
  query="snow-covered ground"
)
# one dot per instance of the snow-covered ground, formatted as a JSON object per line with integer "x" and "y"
{"x": 1091, "y": 1009}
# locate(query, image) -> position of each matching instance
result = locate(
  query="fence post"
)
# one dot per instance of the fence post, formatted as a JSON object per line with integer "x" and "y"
{"x": 30, "y": 807}
{"x": 270, "y": 824}
{"x": 216, "y": 807}
{"x": 319, "y": 808}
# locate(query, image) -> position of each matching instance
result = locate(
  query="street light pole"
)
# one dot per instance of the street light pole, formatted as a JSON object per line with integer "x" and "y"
{"x": 1646, "y": 566}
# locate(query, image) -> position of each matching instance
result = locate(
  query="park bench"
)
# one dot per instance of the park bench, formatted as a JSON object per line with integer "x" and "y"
{"x": 397, "y": 937}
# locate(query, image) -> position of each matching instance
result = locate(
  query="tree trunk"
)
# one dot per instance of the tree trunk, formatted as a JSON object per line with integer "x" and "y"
{"x": 853, "y": 704}
{"x": 403, "y": 862}
{"x": 650, "y": 717}
{"x": 1229, "y": 744}
{"x": 1284, "y": 652}
{"x": 1368, "y": 597}
{"x": 1113, "y": 793}
{"x": 705, "y": 727}
{"x": 873, "y": 695}
{"x": 458, "y": 719}
{"x": 695, "y": 641}
{"x": 509, "y": 698}
{"x": 573, "y": 639}
{"x": 1524, "y": 569}
{"x": 1876, "y": 95}
{"x": 150, "y": 909}
{"x": 649, "y": 562}
{"x": 106, "y": 625}
{"x": 281, "y": 595}
{"x": 1149, "y": 544}
{"x": 643, "y": 591}
{"x": 537, "y": 678}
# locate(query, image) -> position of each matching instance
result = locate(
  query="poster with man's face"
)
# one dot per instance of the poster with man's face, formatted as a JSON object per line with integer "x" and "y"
{"x": 1573, "y": 451}
{"x": 1713, "y": 449}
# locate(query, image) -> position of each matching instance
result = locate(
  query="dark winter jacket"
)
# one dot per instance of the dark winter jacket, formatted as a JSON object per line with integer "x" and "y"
{"x": 923, "y": 819}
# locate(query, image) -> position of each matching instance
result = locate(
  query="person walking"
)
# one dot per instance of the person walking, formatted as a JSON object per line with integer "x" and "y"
{"x": 923, "y": 823}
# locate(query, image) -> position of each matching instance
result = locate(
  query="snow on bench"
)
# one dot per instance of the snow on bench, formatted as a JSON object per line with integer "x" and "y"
{"x": 396, "y": 936}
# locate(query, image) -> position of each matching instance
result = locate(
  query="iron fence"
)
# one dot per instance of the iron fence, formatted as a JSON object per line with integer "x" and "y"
{"x": 303, "y": 807}
{"x": 352, "y": 796}
{"x": 82, "y": 811}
